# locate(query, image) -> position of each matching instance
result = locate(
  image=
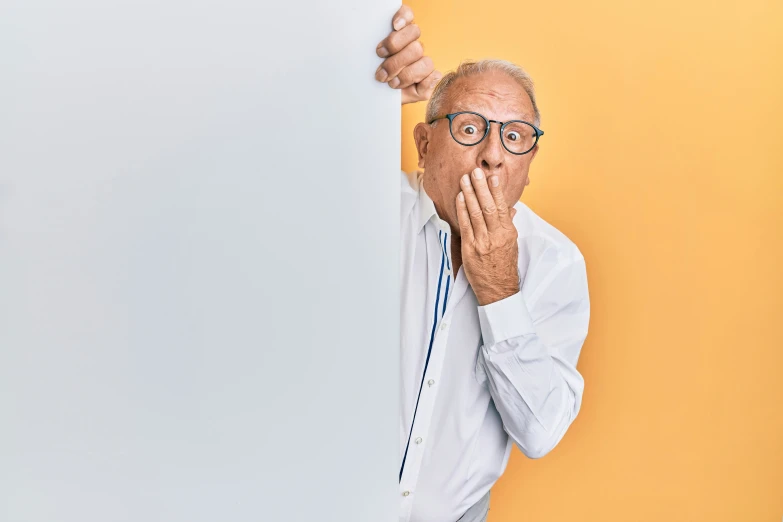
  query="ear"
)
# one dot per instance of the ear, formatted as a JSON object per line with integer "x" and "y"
{"x": 421, "y": 135}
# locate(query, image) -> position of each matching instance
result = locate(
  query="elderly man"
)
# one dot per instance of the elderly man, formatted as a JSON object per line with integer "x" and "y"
{"x": 494, "y": 303}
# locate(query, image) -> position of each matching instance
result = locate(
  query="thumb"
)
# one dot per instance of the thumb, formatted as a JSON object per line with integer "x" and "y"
{"x": 422, "y": 91}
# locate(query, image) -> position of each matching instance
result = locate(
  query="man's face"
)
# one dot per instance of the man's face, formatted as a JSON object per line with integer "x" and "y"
{"x": 497, "y": 97}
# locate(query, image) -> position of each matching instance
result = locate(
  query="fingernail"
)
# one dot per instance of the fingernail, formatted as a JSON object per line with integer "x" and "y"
{"x": 465, "y": 180}
{"x": 394, "y": 82}
{"x": 383, "y": 52}
{"x": 381, "y": 75}
{"x": 494, "y": 181}
{"x": 478, "y": 174}
{"x": 399, "y": 24}
{"x": 461, "y": 196}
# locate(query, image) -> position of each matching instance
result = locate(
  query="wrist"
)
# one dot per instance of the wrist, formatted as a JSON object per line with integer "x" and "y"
{"x": 506, "y": 287}
{"x": 494, "y": 295}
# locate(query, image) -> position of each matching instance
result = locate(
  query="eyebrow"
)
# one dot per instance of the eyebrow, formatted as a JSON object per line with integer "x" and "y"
{"x": 459, "y": 108}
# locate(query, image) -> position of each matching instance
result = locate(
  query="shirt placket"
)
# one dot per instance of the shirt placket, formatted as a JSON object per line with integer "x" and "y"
{"x": 429, "y": 390}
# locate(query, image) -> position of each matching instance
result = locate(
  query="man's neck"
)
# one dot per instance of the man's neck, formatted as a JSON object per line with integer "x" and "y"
{"x": 456, "y": 241}
{"x": 456, "y": 254}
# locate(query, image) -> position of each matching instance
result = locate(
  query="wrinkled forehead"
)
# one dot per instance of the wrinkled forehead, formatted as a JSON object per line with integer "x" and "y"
{"x": 502, "y": 99}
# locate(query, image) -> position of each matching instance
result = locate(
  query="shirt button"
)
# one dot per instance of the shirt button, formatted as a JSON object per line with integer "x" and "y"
{"x": 430, "y": 382}
{"x": 406, "y": 493}
{"x": 443, "y": 326}
{"x": 448, "y": 272}
{"x": 418, "y": 440}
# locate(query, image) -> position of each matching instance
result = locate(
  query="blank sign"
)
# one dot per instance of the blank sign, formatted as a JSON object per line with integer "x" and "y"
{"x": 199, "y": 304}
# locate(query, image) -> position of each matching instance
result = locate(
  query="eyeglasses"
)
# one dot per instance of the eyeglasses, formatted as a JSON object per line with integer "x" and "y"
{"x": 470, "y": 128}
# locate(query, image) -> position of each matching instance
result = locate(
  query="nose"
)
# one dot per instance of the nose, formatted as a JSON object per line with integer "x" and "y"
{"x": 491, "y": 152}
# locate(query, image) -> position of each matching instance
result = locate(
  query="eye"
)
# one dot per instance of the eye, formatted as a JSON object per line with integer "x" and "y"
{"x": 513, "y": 136}
{"x": 469, "y": 129}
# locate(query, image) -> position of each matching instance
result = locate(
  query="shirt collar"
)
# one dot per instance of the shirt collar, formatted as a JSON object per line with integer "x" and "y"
{"x": 426, "y": 207}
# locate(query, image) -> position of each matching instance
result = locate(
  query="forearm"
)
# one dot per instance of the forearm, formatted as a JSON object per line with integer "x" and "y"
{"x": 537, "y": 395}
{"x": 530, "y": 359}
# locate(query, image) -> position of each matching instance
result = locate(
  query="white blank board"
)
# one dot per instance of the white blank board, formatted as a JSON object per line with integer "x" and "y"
{"x": 199, "y": 207}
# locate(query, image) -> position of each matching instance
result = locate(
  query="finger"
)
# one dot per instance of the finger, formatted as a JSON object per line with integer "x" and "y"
{"x": 421, "y": 91}
{"x": 414, "y": 73}
{"x": 497, "y": 187}
{"x": 485, "y": 199}
{"x": 402, "y": 17}
{"x": 474, "y": 209}
{"x": 398, "y": 40}
{"x": 463, "y": 220}
{"x": 392, "y": 65}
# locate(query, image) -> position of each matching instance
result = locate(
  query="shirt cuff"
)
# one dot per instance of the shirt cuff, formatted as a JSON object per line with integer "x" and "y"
{"x": 505, "y": 319}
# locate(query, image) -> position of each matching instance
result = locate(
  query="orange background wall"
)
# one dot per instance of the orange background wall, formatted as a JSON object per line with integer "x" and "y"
{"x": 663, "y": 162}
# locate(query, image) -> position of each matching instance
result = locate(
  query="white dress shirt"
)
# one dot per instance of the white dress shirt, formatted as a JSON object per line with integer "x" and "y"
{"x": 475, "y": 378}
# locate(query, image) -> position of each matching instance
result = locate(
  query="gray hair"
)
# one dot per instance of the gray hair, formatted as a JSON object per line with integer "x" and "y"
{"x": 470, "y": 68}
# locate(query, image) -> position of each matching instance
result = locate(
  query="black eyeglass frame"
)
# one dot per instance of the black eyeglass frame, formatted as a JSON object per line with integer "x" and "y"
{"x": 451, "y": 117}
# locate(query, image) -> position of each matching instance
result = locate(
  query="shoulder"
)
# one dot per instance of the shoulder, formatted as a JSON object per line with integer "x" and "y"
{"x": 536, "y": 232}
{"x": 548, "y": 260}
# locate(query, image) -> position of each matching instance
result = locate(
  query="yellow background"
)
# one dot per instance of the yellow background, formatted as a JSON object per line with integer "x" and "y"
{"x": 663, "y": 162}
